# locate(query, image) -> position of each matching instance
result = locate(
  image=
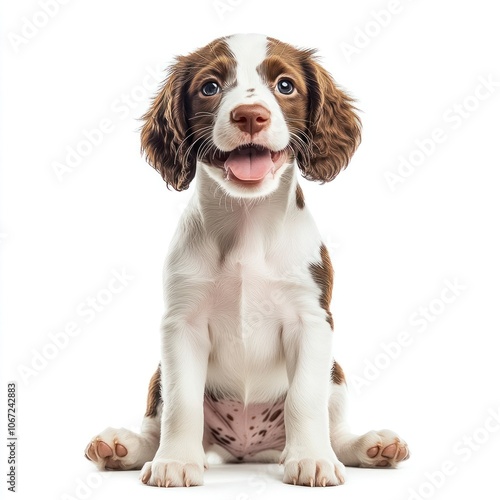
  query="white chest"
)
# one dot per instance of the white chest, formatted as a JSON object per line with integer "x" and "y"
{"x": 246, "y": 312}
{"x": 242, "y": 274}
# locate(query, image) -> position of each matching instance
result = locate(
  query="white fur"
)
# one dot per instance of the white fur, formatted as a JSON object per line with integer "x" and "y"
{"x": 254, "y": 332}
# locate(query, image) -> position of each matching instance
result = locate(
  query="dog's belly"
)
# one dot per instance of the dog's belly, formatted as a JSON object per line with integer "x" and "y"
{"x": 243, "y": 430}
{"x": 246, "y": 379}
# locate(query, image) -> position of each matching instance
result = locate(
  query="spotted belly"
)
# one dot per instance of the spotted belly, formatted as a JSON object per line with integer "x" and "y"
{"x": 243, "y": 430}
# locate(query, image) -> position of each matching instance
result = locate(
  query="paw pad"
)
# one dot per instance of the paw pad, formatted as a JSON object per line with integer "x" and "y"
{"x": 104, "y": 455}
{"x": 383, "y": 449}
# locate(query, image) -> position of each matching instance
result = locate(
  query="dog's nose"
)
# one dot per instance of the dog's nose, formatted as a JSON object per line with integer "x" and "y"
{"x": 251, "y": 118}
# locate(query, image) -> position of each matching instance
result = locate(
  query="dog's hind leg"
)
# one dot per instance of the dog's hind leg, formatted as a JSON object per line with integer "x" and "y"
{"x": 121, "y": 449}
{"x": 382, "y": 448}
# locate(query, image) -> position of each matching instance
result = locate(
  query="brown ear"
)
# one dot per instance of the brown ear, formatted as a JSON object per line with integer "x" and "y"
{"x": 334, "y": 130}
{"x": 164, "y": 133}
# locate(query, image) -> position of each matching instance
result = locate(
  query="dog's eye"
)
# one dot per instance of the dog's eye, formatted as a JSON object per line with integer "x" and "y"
{"x": 285, "y": 86}
{"x": 210, "y": 88}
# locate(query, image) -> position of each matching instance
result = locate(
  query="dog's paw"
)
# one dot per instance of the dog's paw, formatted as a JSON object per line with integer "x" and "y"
{"x": 117, "y": 449}
{"x": 167, "y": 473}
{"x": 382, "y": 449}
{"x": 314, "y": 472}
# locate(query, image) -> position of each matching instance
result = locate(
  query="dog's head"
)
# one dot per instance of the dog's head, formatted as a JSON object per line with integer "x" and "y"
{"x": 243, "y": 107}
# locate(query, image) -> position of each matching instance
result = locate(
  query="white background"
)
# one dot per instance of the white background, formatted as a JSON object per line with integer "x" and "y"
{"x": 393, "y": 250}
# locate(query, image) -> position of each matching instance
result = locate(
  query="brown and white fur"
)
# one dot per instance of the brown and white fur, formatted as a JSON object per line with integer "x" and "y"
{"x": 247, "y": 279}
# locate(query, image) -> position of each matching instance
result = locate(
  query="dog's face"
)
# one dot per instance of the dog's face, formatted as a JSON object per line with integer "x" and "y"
{"x": 243, "y": 108}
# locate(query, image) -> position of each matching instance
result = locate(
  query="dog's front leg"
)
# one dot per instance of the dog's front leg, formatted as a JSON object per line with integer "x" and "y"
{"x": 180, "y": 459}
{"x": 308, "y": 456}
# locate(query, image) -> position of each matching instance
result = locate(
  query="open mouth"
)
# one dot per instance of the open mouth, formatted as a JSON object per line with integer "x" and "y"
{"x": 251, "y": 163}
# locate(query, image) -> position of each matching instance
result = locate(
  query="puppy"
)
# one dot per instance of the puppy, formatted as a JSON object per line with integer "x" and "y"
{"x": 246, "y": 366}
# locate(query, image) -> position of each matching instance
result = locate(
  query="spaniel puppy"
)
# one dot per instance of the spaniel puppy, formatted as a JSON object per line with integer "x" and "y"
{"x": 246, "y": 366}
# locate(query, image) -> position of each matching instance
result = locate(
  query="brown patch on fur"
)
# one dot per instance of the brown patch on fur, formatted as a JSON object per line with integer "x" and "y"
{"x": 322, "y": 274}
{"x": 334, "y": 128}
{"x": 173, "y": 134}
{"x": 299, "y": 197}
{"x": 154, "y": 394}
{"x": 337, "y": 374}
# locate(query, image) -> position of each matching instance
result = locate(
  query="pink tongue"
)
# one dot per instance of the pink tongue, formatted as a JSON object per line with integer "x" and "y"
{"x": 250, "y": 164}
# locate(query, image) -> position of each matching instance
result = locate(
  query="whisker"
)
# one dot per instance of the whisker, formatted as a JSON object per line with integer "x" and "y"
{"x": 206, "y": 148}
{"x": 201, "y": 131}
{"x": 202, "y": 113}
{"x": 189, "y": 149}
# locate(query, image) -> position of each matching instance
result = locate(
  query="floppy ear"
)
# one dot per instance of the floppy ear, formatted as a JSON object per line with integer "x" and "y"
{"x": 334, "y": 129}
{"x": 164, "y": 133}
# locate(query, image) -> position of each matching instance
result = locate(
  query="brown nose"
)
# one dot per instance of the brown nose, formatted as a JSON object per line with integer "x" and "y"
{"x": 251, "y": 118}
